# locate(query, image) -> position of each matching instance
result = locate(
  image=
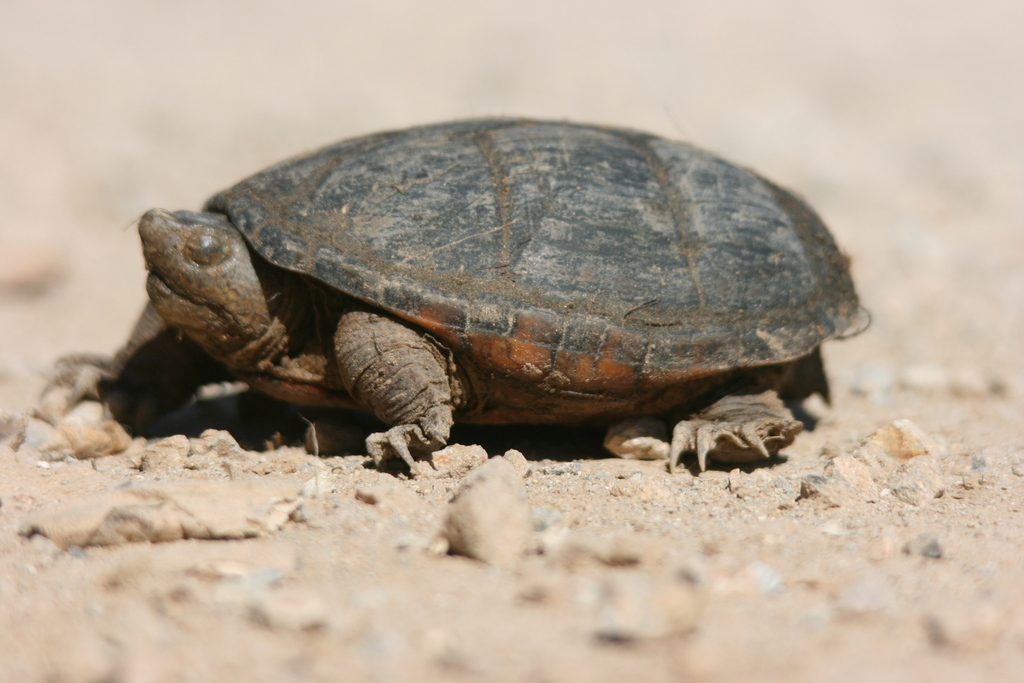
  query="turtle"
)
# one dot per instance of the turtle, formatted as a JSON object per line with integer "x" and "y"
{"x": 495, "y": 270}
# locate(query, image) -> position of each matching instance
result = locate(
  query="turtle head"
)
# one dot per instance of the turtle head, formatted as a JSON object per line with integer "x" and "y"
{"x": 202, "y": 280}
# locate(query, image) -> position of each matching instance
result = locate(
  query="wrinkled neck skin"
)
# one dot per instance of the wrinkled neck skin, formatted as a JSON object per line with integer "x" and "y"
{"x": 204, "y": 280}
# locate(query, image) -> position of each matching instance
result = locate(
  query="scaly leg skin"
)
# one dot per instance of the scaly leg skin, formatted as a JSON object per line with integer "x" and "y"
{"x": 154, "y": 373}
{"x": 74, "y": 379}
{"x": 736, "y": 428}
{"x": 399, "y": 375}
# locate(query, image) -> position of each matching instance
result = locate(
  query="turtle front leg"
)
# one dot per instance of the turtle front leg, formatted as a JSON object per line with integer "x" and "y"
{"x": 736, "y": 428}
{"x": 157, "y": 371}
{"x": 402, "y": 377}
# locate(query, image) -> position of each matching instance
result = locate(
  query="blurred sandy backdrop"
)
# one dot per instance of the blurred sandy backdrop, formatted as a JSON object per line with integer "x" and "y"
{"x": 902, "y": 122}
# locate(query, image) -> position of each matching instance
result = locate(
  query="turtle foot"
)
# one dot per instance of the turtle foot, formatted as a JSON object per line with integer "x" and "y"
{"x": 737, "y": 428}
{"x": 403, "y": 440}
{"x": 74, "y": 379}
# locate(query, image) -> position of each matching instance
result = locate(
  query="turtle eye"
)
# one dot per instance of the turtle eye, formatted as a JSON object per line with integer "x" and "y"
{"x": 206, "y": 250}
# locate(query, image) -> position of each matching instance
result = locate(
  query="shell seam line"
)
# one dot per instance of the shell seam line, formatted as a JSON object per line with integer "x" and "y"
{"x": 677, "y": 205}
{"x": 484, "y": 140}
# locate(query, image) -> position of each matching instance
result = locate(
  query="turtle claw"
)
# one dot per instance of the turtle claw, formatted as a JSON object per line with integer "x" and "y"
{"x": 73, "y": 379}
{"x": 704, "y": 437}
{"x": 400, "y": 441}
{"x": 743, "y": 428}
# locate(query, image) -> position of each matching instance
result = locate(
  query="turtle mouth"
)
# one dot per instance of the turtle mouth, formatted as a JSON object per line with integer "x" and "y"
{"x": 158, "y": 289}
{"x": 173, "y": 306}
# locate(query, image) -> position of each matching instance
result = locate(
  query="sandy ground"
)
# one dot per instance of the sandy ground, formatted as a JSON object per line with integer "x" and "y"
{"x": 901, "y": 122}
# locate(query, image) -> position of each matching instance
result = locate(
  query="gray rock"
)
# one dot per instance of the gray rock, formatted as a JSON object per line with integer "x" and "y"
{"x": 489, "y": 518}
{"x": 924, "y": 544}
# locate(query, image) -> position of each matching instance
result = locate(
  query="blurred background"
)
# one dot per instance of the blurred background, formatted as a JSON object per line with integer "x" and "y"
{"x": 902, "y": 121}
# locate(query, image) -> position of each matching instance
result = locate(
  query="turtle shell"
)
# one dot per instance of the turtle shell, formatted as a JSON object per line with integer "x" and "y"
{"x": 603, "y": 257}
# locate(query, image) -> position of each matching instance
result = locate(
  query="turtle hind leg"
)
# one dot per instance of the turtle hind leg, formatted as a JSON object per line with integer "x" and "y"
{"x": 736, "y": 428}
{"x": 400, "y": 376}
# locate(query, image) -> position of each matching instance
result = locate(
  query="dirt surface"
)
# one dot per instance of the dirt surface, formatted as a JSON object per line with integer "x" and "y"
{"x": 901, "y": 122}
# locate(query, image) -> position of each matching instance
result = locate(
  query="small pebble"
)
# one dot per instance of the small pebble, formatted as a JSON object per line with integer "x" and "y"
{"x": 218, "y": 442}
{"x": 561, "y": 468}
{"x": 644, "y": 488}
{"x": 855, "y": 474}
{"x": 165, "y": 455}
{"x": 634, "y": 606}
{"x": 829, "y": 450}
{"x": 833, "y": 528}
{"x": 925, "y": 378}
{"x": 488, "y": 518}
{"x": 289, "y": 610}
{"x": 871, "y": 593}
{"x": 874, "y": 382}
{"x": 85, "y": 432}
{"x": 924, "y": 544}
{"x": 846, "y": 482}
{"x": 393, "y": 496}
{"x": 322, "y": 484}
{"x": 542, "y": 519}
{"x": 519, "y": 461}
{"x": 968, "y": 626}
{"x": 918, "y": 482}
{"x": 12, "y": 427}
{"x": 1017, "y": 467}
{"x": 453, "y": 461}
{"x": 39, "y": 435}
{"x": 736, "y": 477}
{"x": 767, "y": 577}
{"x": 899, "y": 440}
{"x": 885, "y": 545}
